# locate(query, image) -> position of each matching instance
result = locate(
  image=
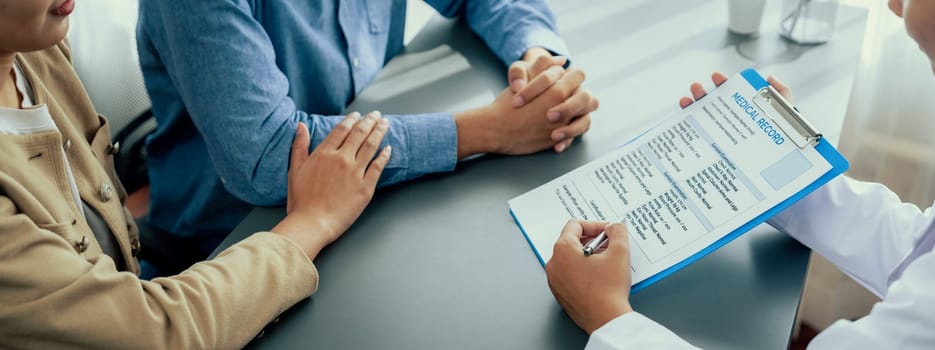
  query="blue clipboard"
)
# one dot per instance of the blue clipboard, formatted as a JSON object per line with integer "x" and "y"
{"x": 839, "y": 165}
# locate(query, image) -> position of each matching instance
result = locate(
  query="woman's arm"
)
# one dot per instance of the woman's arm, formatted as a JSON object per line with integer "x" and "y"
{"x": 53, "y": 297}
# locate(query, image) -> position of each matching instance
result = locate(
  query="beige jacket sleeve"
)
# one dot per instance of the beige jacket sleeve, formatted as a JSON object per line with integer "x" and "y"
{"x": 54, "y": 298}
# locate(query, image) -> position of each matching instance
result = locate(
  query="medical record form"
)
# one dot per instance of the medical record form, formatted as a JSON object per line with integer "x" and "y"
{"x": 695, "y": 181}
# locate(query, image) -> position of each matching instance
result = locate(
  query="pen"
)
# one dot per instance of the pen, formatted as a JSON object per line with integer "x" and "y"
{"x": 595, "y": 243}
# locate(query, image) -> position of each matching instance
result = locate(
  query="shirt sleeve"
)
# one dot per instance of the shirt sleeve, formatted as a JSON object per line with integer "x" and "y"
{"x": 508, "y": 27}
{"x": 903, "y": 320}
{"x": 861, "y": 227}
{"x": 222, "y": 65}
{"x": 54, "y": 298}
{"x": 635, "y": 331}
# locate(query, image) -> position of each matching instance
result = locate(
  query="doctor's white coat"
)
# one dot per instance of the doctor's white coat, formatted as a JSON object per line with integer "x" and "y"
{"x": 867, "y": 232}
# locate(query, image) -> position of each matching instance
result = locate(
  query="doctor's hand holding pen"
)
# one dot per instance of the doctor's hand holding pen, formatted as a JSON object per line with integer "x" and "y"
{"x": 329, "y": 188}
{"x": 593, "y": 289}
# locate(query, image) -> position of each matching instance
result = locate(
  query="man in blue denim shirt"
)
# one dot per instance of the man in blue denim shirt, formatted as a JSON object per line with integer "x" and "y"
{"x": 230, "y": 79}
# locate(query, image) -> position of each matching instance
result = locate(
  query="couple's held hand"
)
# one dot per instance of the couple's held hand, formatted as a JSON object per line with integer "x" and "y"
{"x": 698, "y": 92}
{"x": 534, "y": 74}
{"x": 544, "y": 107}
{"x": 537, "y": 73}
{"x": 593, "y": 289}
{"x": 331, "y": 186}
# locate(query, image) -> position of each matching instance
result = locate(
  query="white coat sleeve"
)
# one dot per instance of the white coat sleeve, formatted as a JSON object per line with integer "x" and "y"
{"x": 635, "y": 331}
{"x": 861, "y": 227}
{"x": 903, "y": 320}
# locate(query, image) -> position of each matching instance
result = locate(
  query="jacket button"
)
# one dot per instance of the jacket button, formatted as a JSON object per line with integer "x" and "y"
{"x": 114, "y": 148}
{"x": 82, "y": 245}
{"x": 67, "y": 145}
{"x": 135, "y": 246}
{"x": 107, "y": 192}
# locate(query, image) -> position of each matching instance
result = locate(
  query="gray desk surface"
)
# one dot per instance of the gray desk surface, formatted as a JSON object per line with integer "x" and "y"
{"x": 439, "y": 264}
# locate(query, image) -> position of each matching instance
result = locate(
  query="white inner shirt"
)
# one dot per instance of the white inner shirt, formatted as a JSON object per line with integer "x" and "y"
{"x": 32, "y": 119}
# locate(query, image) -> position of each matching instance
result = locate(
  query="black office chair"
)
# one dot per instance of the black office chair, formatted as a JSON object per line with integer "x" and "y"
{"x": 130, "y": 160}
{"x": 169, "y": 254}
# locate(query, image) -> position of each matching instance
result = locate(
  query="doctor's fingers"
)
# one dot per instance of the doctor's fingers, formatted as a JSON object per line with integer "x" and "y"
{"x": 619, "y": 243}
{"x": 358, "y": 134}
{"x": 780, "y": 87}
{"x": 591, "y": 233}
{"x": 698, "y": 91}
{"x": 718, "y": 78}
{"x": 685, "y": 101}
{"x": 582, "y": 231}
{"x": 570, "y": 236}
{"x": 592, "y": 228}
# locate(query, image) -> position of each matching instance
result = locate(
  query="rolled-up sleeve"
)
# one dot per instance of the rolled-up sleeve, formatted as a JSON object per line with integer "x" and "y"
{"x": 508, "y": 27}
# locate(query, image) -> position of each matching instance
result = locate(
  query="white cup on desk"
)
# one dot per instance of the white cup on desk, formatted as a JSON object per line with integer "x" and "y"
{"x": 744, "y": 16}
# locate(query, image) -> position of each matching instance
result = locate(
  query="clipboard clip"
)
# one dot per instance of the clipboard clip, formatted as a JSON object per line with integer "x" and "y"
{"x": 805, "y": 134}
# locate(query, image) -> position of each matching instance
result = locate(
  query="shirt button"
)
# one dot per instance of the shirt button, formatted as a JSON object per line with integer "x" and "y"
{"x": 67, "y": 145}
{"x": 82, "y": 245}
{"x": 356, "y": 62}
{"x": 107, "y": 192}
{"x": 114, "y": 148}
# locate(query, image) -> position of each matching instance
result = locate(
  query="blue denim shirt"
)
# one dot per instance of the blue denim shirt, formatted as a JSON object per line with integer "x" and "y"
{"x": 230, "y": 80}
